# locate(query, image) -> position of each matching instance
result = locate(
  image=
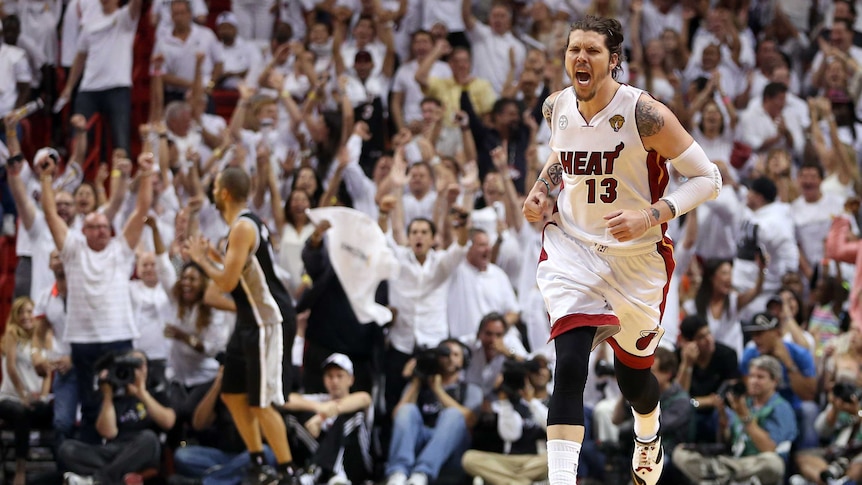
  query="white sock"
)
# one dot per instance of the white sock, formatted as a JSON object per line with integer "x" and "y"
{"x": 646, "y": 425}
{"x": 563, "y": 462}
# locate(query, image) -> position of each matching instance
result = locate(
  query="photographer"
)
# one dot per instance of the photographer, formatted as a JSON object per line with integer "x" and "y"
{"x": 433, "y": 418}
{"x": 839, "y": 423}
{"x": 489, "y": 354}
{"x": 506, "y": 438}
{"x": 759, "y": 428}
{"x": 127, "y": 421}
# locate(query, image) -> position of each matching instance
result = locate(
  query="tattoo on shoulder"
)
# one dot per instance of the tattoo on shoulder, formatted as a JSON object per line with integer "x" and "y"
{"x": 548, "y": 108}
{"x": 655, "y": 213}
{"x": 648, "y": 118}
{"x": 555, "y": 173}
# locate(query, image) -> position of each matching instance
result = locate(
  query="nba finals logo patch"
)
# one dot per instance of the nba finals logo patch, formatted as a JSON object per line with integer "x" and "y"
{"x": 564, "y": 122}
{"x": 616, "y": 122}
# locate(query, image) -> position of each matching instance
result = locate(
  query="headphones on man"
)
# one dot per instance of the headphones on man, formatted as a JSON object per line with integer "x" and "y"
{"x": 443, "y": 349}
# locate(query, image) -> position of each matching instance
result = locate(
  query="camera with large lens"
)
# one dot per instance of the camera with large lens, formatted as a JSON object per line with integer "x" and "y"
{"x": 120, "y": 370}
{"x": 836, "y": 469}
{"x": 737, "y": 388}
{"x": 514, "y": 379}
{"x": 428, "y": 361}
{"x": 846, "y": 391}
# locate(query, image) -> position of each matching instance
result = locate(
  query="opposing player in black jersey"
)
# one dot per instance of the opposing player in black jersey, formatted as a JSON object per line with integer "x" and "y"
{"x": 253, "y": 363}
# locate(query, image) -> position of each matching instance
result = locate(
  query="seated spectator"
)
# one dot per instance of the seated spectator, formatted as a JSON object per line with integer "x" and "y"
{"x": 220, "y": 455}
{"x": 127, "y": 422}
{"x": 508, "y": 435}
{"x": 759, "y": 426}
{"x": 837, "y": 424}
{"x": 704, "y": 365}
{"x": 24, "y": 395}
{"x": 799, "y": 383}
{"x": 330, "y": 430}
{"x": 489, "y": 353}
{"x": 433, "y": 419}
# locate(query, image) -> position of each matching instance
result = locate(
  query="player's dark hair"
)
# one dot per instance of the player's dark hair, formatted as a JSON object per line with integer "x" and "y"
{"x": 611, "y": 29}
{"x": 237, "y": 183}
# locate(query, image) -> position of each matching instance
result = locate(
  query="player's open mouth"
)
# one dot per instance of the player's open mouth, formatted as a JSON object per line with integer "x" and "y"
{"x": 583, "y": 78}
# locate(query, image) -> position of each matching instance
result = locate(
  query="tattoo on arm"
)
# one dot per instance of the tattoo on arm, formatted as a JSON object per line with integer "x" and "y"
{"x": 672, "y": 208}
{"x": 548, "y": 109}
{"x": 655, "y": 213}
{"x": 648, "y": 119}
{"x": 555, "y": 173}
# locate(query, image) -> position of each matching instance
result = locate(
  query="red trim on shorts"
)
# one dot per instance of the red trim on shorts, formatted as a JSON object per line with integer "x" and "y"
{"x": 633, "y": 361}
{"x": 577, "y": 320}
{"x": 665, "y": 249}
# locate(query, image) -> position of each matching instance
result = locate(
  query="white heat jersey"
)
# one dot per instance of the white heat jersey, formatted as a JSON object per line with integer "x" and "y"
{"x": 605, "y": 167}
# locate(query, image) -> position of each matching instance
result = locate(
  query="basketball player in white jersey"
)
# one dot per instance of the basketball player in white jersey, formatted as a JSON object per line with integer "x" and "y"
{"x": 605, "y": 261}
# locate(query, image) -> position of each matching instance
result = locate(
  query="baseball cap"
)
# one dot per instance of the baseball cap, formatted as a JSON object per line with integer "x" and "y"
{"x": 761, "y": 322}
{"x": 339, "y": 360}
{"x": 47, "y": 152}
{"x": 227, "y": 17}
{"x": 363, "y": 56}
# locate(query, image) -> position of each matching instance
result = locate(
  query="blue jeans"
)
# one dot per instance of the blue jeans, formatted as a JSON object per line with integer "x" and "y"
{"x": 215, "y": 466}
{"x": 84, "y": 357}
{"x": 65, "y": 389}
{"x": 416, "y": 448}
{"x": 115, "y": 104}
{"x": 805, "y": 417}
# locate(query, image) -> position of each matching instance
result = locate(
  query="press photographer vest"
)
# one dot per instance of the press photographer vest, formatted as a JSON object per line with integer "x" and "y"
{"x": 430, "y": 406}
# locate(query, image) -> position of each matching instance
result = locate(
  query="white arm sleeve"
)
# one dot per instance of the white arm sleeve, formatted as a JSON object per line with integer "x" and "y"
{"x": 704, "y": 180}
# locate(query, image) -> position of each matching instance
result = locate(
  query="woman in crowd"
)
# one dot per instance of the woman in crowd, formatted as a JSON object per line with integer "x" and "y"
{"x": 23, "y": 393}
{"x": 719, "y": 303}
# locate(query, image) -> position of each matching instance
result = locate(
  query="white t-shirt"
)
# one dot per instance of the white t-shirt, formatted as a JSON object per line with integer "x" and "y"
{"x": 108, "y": 41}
{"x": 162, "y": 8}
{"x": 491, "y": 55}
{"x": 242, "y": 56}
{"x": 14, "y": 69}
{"x": 446, "y": 12}
{"x": 812, "y": 221}
{"x": 78, "y": 13}
{"x": 180, "y": 55}
{"x": 42, "y": 244}
{"x": 99, "y": 308}
{"x": 52, "y": 307}
{"x": 474, "y": 294}
{"x": 152, "y": 308}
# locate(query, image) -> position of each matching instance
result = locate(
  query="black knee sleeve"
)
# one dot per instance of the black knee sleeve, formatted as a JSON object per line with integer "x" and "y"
{"x": 638, "y": 386}
{"x": 573, "y": 359}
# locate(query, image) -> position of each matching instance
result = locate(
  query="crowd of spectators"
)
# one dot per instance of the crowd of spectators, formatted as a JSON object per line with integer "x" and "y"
{"x": 425, "y": 116}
